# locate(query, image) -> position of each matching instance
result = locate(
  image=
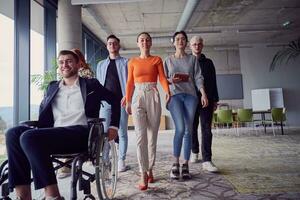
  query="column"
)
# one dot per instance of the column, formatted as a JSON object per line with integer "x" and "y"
{"x": 69, "y": 30}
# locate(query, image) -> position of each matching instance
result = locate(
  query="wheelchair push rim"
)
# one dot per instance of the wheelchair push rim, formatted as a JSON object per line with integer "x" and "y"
{"x": 106, "y": 170}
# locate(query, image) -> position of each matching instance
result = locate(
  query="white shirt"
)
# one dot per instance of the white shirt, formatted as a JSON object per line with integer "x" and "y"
{"x": 68, "y": 106}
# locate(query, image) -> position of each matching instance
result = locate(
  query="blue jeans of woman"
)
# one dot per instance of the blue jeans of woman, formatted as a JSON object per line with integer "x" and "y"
{"x": 182, "y": 107}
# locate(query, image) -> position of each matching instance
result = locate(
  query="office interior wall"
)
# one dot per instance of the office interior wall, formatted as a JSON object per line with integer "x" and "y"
{"x": 226, "y": 61}
{"x": 255, "y": 64}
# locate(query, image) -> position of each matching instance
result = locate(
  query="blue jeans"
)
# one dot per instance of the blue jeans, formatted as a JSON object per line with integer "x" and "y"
{"x": 182, "y": 107}
{"x": 105, "y": 112}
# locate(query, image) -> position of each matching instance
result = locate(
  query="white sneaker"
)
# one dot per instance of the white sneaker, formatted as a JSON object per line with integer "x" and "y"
{"x": 63, "y": 172}
{"x": 194, "y": 158}
{"x": 209, "y": 166}
{"x": 121, "y": 166}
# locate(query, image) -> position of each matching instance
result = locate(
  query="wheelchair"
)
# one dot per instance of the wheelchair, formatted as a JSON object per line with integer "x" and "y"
{"x": 102, "y": 155}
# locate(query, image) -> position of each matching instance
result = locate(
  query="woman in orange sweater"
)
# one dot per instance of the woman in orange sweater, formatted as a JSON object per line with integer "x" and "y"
{"x": 143, "y": 101}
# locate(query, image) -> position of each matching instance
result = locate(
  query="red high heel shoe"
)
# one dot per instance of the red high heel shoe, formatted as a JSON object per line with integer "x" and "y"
{"x": 150, "y": 178}
{"x": 142, "y": 186}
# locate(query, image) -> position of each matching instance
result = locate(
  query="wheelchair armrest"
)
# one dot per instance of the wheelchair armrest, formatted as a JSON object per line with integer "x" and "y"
{"x": 29, "y": 123}
{"x": 95, "y": 120}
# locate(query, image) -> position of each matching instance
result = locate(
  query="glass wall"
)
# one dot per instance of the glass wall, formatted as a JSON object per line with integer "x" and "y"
{"x": 6, "y": 70}
{"x": 94, "y": 49}
{"x": 37, "y": 55}
{"x": 13, "y": 100}
{"x": 6, "y": 66}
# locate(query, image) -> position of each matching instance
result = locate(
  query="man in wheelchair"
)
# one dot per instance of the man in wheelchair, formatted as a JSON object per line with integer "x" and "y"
{"x": 62, "y": 128}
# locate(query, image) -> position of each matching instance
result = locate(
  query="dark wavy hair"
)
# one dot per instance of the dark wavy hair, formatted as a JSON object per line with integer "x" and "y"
{"x": 180, "y": 32}
{"x": 146, "y": 33}
{"x": 68, "y": 52}
{"x": 112, "y": 36}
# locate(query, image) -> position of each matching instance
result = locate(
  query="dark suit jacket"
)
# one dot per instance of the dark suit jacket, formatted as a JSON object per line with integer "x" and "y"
{"x": 92, "y": 93}
{"x": 209, "y": 74}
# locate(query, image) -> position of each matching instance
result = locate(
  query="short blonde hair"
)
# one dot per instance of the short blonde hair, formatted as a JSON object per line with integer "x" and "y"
{"x": 196, "y": 38}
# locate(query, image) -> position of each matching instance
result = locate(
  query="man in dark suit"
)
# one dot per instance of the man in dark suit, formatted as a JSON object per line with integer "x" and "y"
{"x": 62, "y": 128}
{"x": 210, "y": 85}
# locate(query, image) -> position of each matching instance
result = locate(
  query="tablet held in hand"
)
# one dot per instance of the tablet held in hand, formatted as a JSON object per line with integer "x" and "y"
{"x": 182, "y": 76}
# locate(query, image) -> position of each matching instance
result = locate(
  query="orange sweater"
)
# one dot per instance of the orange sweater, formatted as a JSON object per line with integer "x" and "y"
{"x": 141, "y": 70}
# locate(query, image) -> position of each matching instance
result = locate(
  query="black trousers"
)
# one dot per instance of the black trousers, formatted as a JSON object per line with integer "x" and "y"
{"x": 30, "y": 149}
{"x": 205, "y": 115}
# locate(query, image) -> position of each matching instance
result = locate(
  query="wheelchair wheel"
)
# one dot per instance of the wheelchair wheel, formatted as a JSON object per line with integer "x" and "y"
{"x": 106, "y": 173}
{"x": 5, "y": 193}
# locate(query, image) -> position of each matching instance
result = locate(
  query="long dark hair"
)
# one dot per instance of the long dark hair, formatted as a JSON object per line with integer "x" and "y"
{"x": 180, "y": 32}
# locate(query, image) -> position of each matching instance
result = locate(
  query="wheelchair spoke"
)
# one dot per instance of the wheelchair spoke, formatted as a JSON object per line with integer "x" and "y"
{"x": 109, "y": 170}
{"x": 106, "y": 172}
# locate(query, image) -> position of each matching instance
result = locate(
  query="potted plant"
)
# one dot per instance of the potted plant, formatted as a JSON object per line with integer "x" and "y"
{"x": 42, "y": 80}
{"x": 292, "y": 50}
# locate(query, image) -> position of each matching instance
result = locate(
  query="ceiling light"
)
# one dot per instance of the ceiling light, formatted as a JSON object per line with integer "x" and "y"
{"x": 286, "y": 23}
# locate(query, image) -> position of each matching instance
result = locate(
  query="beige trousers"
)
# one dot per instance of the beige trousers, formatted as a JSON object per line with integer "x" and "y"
{"x": 146, "y": 111}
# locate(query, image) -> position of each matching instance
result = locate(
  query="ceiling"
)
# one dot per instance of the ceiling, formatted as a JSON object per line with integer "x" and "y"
{"x": 222, "y": 23}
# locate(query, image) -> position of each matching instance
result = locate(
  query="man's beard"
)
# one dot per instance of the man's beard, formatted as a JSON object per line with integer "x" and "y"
{"x": 70, "y": 74}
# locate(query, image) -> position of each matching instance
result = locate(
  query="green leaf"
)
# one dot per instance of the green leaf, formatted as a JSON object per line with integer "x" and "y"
{"x": 42, "y": 80}
{"x": 285, "y": 54}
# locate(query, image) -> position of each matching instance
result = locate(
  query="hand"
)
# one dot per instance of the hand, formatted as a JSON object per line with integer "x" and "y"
{"x": 204, "y": 101}
{"x": 128, "y": 108}
{"x": 112, "y": 134}
{"x": 168, "y": 97}
{"x": 123, "y": 101}
{"x": 215, "y": 106}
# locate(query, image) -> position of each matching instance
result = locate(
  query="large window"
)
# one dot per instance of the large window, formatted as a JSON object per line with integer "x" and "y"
{"x": 37, "y": 55}
{"x": 94, "y": 49}
{"x": 6, "y": 65}
{"x": 6, "y": 69}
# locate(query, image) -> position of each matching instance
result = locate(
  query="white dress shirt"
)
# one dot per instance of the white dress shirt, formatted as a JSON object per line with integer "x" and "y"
{"x": 68, "y": 106}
